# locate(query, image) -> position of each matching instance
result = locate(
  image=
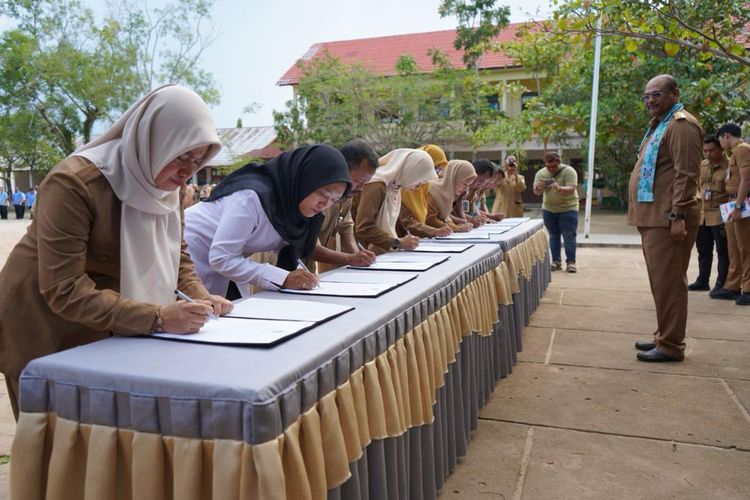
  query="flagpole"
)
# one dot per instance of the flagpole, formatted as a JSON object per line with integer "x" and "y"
{"x": 592, "y": 129}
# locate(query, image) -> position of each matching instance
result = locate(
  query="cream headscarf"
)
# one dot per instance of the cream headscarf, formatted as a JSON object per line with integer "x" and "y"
{"x": 443, "y": 190}
{"x": 400, "y": 168}
{"x": 162, "y": 125}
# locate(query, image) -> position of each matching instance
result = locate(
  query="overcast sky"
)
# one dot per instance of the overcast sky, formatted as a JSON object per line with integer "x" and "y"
{"x": 260, "y": 39}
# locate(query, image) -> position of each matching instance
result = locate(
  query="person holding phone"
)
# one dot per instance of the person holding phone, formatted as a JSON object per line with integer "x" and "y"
{"x": 558, "y": 183}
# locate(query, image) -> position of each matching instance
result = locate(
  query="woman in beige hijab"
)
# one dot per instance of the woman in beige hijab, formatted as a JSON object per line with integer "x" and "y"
{"x": 443, "y": 193}
{"x": 380, "y": 202}
{"x": 104, "y": 254}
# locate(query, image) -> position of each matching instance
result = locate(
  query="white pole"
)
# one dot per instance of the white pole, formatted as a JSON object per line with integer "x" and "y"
{"x": 592, "y": 129}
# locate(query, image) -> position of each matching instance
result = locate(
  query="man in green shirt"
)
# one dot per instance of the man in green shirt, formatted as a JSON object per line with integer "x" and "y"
{"x": 557, "y": 183}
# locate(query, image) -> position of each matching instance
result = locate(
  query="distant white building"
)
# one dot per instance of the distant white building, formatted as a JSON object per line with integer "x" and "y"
{"x": 238, "y": 144}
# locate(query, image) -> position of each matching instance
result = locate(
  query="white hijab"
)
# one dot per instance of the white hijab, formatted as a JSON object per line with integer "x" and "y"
{"x": 400, "y": 168}
{"x": 443, "y": 190}
{"x": 159, "y": 127}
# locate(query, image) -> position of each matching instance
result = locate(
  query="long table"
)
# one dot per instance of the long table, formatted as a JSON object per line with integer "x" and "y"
{"x": 377, "y": 403}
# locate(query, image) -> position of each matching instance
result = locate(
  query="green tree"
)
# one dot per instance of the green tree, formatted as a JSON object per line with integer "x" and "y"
{"x": 710, "y": 28}
{"x": 73, "y": 70}
{"x": 335, "y": 102}
{"x": 479, "y": 21}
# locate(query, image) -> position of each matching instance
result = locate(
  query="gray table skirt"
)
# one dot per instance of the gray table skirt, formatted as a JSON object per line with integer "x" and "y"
{"x": 415, "y": 465}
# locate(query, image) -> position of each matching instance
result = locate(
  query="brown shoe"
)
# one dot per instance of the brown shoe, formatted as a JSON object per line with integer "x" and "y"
{"x": 571, "y": 267}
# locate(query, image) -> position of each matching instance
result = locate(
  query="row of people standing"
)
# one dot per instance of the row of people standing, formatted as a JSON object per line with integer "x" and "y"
{"x": 724, "y": 179}
{"x": 19, "y": 200}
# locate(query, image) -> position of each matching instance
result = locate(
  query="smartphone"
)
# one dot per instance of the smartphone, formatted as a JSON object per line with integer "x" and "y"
{"x": 548, "y": 182}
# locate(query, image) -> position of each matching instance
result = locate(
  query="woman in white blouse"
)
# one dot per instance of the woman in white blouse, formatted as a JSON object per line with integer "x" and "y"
{"x": 272, "y": 207}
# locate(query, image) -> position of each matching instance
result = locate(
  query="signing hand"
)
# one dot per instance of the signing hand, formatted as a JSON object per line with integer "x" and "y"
{"x": 443, "y": 231}
{"x": 184, "y": 317}
{"x": 299, "y": 279}
{"x": 409, "y": 242}
{"x": 362, "y": 258}
{"x": 220, "y": 305}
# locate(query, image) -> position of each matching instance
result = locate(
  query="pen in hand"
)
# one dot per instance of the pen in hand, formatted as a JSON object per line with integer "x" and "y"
{"x": 301, "y": 265}
{"x": 188, "y": 299}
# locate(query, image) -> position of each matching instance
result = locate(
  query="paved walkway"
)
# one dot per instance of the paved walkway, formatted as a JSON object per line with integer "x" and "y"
{"x": 580, "y": 417}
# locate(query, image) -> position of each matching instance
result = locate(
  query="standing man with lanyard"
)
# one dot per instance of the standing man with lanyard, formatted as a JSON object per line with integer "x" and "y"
{"x": 711, "y": 193}
{"x": 663, "y": 206}
{"x": 738, "y": 228}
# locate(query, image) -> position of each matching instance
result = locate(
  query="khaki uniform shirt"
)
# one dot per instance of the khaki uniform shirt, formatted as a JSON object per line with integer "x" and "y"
{"x": 338, "y": 220}
{"x": 508, "y": 196}
{"x": 740, "y": 159}
{"x": 676, "y": 176}
{"x": 75, "y": 239}
{"x": 713, "y": 179}
{"x": 368, "y": 208}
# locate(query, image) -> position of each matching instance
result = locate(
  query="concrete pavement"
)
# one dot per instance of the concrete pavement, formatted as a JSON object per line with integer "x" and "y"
{"x": 581, "y": 418}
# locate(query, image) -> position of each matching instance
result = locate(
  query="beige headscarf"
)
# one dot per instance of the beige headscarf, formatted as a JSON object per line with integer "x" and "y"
{"x": 162, "y": 125}
{"x": 443, "y": 190}
{"x": 400, "y": 168}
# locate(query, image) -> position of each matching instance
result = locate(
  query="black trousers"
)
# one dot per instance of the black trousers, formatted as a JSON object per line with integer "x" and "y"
{"x": 20, "y": 211}
{"x": 704, "y": 243}
{"x": 3, "y": 212}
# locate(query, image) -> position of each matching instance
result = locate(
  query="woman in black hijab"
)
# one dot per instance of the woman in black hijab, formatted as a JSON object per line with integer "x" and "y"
{"x": 274, "y": 207}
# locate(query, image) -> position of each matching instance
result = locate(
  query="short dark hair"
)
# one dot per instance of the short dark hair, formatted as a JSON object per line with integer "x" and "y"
{"x": 551, "y": 156}
{"x": 730, "y": 128}
{"x": 356, "y": 151}
{"x": 484, "y": 166}
{"x": 711, "y": 139}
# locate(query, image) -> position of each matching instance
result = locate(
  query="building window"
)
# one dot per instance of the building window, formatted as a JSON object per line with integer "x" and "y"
{"x": 493, "y": 101}
{"x": 526, "y": 96}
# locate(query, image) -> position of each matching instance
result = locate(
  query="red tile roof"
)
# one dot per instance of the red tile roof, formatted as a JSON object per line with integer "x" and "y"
{"x": 380, "y": 54}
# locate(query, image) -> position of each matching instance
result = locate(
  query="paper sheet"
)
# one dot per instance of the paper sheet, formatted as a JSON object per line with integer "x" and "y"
{"x": 408, "y": 256}
{"x": 286, "y": 309}
{"x": 429, "y": 246}
{"x": 356, "y": 276}
{"x": 398, "y": 266}
{"x": 464, "y": 236}
{"x": 338, "y": 289}
{"x": 241, "y": 331}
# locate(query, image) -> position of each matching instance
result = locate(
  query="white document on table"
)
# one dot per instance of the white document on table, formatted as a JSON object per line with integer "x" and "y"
{"x": 338, "y": 289}
{"x": 515, "y": 220}
{"x": 355, "y": 276}
{"x": 430, "y": 246}
{"x": 464, "y": 236}
{"x": 242, "y": 331}
{"x": 422, "y": 265}
{"x": 286, "y": 309}
{"x": 408, "y": 256}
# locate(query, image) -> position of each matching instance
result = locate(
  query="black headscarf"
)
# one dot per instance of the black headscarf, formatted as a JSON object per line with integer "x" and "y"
{"x": 281, "y": 184}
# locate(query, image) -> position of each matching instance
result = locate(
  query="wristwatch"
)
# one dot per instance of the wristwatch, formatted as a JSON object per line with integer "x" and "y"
{"x": 676, "y": 216}
{"x": 396, "y": 243}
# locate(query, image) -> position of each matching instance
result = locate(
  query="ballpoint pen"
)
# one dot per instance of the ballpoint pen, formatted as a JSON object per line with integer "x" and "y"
{"x": 188, "y": 299}
{"x": 301, "y": 265}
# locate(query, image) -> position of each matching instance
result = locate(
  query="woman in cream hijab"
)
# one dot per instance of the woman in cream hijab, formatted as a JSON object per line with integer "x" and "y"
{"x": 104, "y": 253}
{"x": 443, "y": 193}
{"x": 380, "y": 201}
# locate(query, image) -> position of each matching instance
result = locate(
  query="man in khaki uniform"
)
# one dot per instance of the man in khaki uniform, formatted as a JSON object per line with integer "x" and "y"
{"x": 662, "y": 205}
{"x": 508, "y": 194}
{"x": 711, "y": 194}
{"x": 738, "y": 228}
{"x": 362, "y": 161}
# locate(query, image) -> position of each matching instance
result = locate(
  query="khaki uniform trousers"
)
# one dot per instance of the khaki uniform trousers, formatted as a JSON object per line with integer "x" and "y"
{"x": 738, "y": 244}
{"x": 667, "y": 263}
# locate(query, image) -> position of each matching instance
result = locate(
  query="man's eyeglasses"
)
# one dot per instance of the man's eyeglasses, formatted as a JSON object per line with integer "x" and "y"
{"x": 653, "y": 95}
